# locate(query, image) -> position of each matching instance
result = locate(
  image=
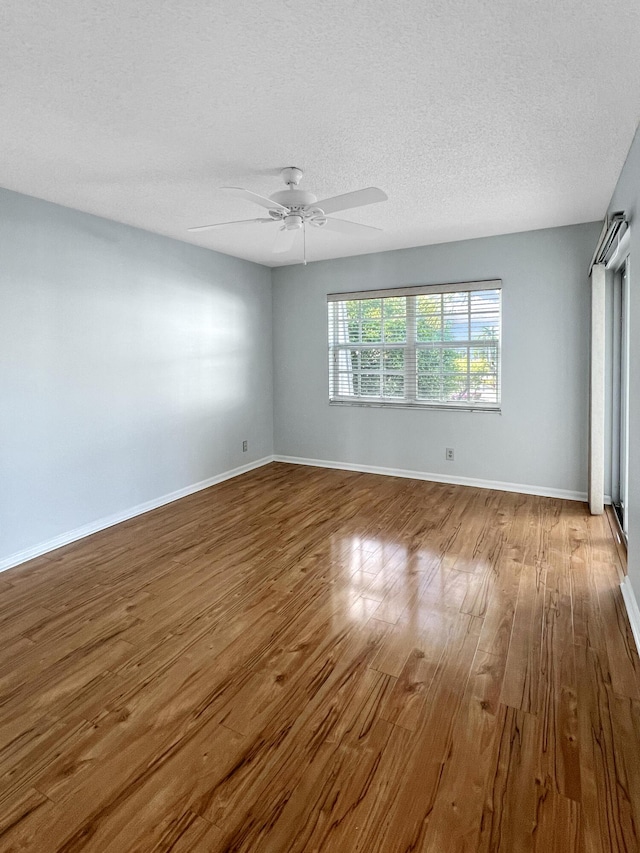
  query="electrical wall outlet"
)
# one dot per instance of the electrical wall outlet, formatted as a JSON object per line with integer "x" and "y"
{"x": 449, "y": 455}
{"x": 245, "y": 446}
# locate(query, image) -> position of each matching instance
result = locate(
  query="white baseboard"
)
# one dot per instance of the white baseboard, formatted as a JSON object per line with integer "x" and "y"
{"x": 633, "y": 611}
{"x": 438, "y": 478}
{"x": 109, "y": 521}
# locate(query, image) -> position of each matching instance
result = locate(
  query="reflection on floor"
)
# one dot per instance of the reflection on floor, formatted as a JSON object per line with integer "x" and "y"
{"x": 303, "y": 660}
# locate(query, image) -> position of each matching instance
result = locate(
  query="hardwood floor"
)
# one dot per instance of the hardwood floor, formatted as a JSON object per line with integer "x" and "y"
{"x": 311, "y": 660}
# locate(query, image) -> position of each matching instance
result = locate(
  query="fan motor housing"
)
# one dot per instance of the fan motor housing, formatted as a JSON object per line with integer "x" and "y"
{"x": 294, "y": 198}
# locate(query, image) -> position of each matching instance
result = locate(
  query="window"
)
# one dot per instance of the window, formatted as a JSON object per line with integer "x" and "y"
{"x": 431, "y": 346}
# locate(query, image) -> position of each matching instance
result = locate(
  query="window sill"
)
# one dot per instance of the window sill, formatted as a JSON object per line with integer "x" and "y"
{"x": 440, "y": 407}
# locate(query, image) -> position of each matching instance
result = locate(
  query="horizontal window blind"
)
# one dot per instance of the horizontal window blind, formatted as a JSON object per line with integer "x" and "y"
{"x": 424, "y": 346}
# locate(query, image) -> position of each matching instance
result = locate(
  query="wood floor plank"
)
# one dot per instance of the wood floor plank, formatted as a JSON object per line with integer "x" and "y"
{"x": 559, "y": 766}
{"x": 559, "y": 826}
{"x": 302, "y": 659}
{"x": 454, "y": 822}
{"x": 187, "y": 833}
{"x": 521, "y": 687}
{"x": 609, "y": 757}
{"x": 500, "y": 609}
{"x": 20, "y": 818}
{"x": 512, "y": 795}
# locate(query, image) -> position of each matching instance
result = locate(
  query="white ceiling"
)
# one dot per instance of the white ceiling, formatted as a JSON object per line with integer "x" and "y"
{"x": 476, "y": 117}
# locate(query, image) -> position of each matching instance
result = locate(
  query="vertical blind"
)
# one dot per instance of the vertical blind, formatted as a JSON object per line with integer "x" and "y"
{"x": 432, "y": 346}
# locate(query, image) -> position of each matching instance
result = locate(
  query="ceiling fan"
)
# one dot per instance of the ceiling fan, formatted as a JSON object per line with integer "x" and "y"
{"x": 294, "y": 209}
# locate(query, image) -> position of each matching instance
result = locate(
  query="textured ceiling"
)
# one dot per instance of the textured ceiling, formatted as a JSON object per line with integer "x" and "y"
{"x": 476, "y": 118}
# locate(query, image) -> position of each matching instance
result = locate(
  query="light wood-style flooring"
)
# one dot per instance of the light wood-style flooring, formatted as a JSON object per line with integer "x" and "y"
{"x": 312, "y": 660}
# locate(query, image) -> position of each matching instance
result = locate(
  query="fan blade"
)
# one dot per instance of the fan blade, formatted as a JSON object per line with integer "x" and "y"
{"x": 233, "y": 222}
{"x": 359, "y": 198}
{"x": 258, "y": 199}
{"x": 285, "y": 238}
{"x": 343, "y": 226}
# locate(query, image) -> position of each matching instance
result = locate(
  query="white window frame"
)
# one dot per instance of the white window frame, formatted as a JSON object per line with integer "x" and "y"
{"x": 411, "y": 348}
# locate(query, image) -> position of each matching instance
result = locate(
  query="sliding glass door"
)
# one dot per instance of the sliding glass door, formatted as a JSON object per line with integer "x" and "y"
{"x": 620, "y": 395}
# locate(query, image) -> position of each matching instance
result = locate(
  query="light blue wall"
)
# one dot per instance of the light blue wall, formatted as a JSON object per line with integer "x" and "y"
{"x": 131, "y": 366}
{"x": 627, "y": 197}
{"x": 540, "y": 440}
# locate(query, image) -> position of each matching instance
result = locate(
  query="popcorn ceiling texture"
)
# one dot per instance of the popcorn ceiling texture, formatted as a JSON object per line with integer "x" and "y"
{"x": 476, "y": 118}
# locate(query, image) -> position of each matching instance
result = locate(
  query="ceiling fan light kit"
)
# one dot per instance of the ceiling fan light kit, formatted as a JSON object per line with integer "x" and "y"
{"x": 294, "y": 209}
{"x": 292, "y": 221}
